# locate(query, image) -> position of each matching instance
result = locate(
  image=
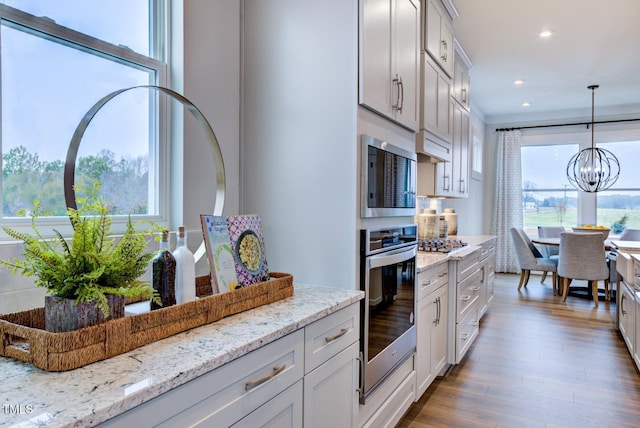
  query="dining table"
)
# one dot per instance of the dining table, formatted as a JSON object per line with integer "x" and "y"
{"x": 555, "y": 242}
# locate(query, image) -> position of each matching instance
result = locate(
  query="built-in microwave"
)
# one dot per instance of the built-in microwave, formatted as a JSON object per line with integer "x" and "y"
{"x": 388, "y": 178}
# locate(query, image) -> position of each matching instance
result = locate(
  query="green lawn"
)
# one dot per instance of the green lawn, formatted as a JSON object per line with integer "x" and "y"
{"x": 606, "y": 217}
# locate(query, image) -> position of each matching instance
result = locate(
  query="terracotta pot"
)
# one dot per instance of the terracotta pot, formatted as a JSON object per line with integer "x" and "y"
{"x": 65, "y": 315}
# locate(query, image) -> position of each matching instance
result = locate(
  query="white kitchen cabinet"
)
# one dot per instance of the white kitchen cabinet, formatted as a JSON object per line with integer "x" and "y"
{"x": 330, "y": 391}
{"x": 331, "y": 370}
{"x": 436, "y": 112}
{"x": 431, "y": 323}
{"x": 452, "y": 178}
{"x": 464, "y": 304}
{"x": 389, "y": 66}
{"x": 285, "y": 410}
{"x": 487, "y": 273}
{"x": 627, "y": 316}
{"x": 461, "y": 83}
{"x": 438, "y": 35}
{"x": 302, "y": 379}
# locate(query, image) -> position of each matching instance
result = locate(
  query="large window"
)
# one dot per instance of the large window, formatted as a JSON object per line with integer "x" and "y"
{"x": 57, "y": 59}
{"x": 549, "y": 199}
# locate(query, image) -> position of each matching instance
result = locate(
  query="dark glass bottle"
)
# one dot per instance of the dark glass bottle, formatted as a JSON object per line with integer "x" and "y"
{"x": 164, "y": 274}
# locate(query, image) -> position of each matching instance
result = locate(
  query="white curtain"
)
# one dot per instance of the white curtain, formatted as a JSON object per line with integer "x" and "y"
{"x": 508, "y": 199}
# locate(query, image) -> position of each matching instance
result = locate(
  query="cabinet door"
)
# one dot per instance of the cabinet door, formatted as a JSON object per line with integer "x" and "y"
{"x": 461, "y": 83}
{"x": 285, "y": 410}
{"x": 406, "y": 49}
{"x": 439, "y": 330}
{"x": 330, "y": 391}
{"x": 439, "y": 37}
{"x": 424, "y": 321}
{"x": 463, "y": 150}
{"x": 627, "y": 317}
{"x": 437, "y": 111}
{"x": 376, "y": 64}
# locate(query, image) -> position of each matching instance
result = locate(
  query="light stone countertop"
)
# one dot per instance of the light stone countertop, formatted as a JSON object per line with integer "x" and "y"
{"x": 426, "y": 260}
{"x": 91, "y": 394}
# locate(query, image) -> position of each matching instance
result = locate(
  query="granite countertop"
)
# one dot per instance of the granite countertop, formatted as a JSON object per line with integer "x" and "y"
{"x": 94, "y": 393}
{"x": 426, "y": 260}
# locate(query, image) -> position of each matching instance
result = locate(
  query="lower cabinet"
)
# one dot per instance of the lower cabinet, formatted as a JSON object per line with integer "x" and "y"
{"x": 464, "y": 304}
{"x": 431, "y": 323}
{"x": 305, "y": 378}
{"x": 487, "y": 269}
{"x": 285, "y": 410}
{"x": 627, "y": 316}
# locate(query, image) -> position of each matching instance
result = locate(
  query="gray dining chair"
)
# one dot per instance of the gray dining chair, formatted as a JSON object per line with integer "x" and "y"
{"x": 530, "y": 258}
{"x": 582, "y": 256}
{"x": 630, "y": 235}
{"x": 549, "y": 251}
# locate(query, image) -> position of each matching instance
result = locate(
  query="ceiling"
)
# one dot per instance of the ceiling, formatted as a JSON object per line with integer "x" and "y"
{"x": 593, "y": 42}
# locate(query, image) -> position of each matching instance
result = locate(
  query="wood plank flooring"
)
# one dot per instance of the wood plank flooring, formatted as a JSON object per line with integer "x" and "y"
{"x": 537, "y": 362}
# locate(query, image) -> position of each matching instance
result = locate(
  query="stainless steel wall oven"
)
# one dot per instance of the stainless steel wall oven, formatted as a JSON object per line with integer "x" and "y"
{"x": 387, "y": 276}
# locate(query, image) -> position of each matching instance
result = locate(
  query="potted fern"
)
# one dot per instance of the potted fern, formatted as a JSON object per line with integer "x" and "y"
{"x": 88, "y": 276}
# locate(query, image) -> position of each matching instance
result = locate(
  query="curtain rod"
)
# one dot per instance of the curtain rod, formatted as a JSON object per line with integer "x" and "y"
{"x": 567, "y": 124}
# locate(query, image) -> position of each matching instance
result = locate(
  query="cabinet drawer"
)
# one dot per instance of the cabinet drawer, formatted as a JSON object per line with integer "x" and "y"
{"x": 239, "y": 387}
{"x": 327, "y": 337}
{"x": 432, "y": 278}
{"x": 467, "y": 265}
{"x": 466, "y": 331}
{"x": 468, "y": 293}
{"x": 487, "y": 250}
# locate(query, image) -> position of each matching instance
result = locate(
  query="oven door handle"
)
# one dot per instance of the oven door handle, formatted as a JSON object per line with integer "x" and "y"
{"x": 391, "y": 257}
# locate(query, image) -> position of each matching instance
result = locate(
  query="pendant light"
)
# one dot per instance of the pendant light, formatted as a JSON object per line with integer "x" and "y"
{"x": 594, "y": 169}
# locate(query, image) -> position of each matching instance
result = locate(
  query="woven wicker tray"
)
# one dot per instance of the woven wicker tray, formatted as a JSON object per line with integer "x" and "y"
{"x": 22, "y": 334}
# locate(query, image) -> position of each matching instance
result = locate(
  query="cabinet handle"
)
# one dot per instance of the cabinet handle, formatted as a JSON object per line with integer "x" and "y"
{"x": 464, "y": 336}
{"x": 465, "y": 298}
{"x": 401, "y": 87}
{"x": 445, "y": 183}
{"x": 622, "y": 305}
{"x": 476, "y": 288}
{"x": 437, "y": 303}
{"x": 248, "y": 386}
{"x": 396, "y": 82}
{"x": 464, "y": 95}
{"x": 361, "y": 382}
{"x": 330, "y": 339}
{"x": 443, "y": 274}
{"x": 462, "y": 185}
{"x": 443, "y": 50}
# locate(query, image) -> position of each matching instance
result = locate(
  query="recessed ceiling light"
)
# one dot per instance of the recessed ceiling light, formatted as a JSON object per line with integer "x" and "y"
{"x": 518, "y": 82}
{"x": 526, "y": 104}
{"x": 545, "y": 33}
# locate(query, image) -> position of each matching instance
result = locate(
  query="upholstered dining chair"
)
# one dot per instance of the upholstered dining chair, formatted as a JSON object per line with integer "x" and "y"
{"x": 549, "y": 251}
{"x": 530, "y": 258}
{"x": 630, "y": 235}
{"x": 582, "y": 256}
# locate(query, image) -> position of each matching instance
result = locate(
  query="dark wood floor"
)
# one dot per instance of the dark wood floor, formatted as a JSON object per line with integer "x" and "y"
{"x": 537, "y": 362}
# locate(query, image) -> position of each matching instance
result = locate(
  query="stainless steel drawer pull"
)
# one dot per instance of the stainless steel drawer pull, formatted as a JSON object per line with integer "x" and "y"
{"x": 465, "y": 298}
{"x": 464, "y": 336}
{"x": 443, "y": 274}
{"x": 248, "y": 386}
{"x": 343, "y": 331}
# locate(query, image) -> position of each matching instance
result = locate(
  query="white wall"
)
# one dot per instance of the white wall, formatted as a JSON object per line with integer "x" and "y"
{"x": 299, "y": 151}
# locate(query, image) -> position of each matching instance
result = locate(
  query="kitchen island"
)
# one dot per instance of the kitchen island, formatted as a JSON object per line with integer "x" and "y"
{"x": 103, "y": 390}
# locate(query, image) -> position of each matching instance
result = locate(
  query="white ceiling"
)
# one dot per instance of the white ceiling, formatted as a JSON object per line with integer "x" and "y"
{"x": 594, "y": 42}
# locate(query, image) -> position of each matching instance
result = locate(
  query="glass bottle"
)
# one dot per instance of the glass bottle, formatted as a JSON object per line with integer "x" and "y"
{"x": 163, "y": 268}
{"x": 185, "y": 269}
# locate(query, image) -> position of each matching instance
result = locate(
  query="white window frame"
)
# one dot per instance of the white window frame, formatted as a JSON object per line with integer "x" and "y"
{"x": 610, "y": 133}
{"x": 159, "y": 165}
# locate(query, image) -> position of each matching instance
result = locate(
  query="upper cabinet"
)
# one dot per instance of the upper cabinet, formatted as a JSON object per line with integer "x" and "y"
{"x": 461, "y": 81}
{"x": 436, "y": 118}
{"x": 389, "y": 59}
{"x": 452, "y": 178}
{"x": 438, "y": 35}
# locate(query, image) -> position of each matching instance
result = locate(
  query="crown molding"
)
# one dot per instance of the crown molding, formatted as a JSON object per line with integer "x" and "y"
{"x": 451, "y": 9}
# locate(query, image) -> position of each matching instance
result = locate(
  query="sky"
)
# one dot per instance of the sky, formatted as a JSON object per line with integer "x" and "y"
{"x": 47, "y": 87}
